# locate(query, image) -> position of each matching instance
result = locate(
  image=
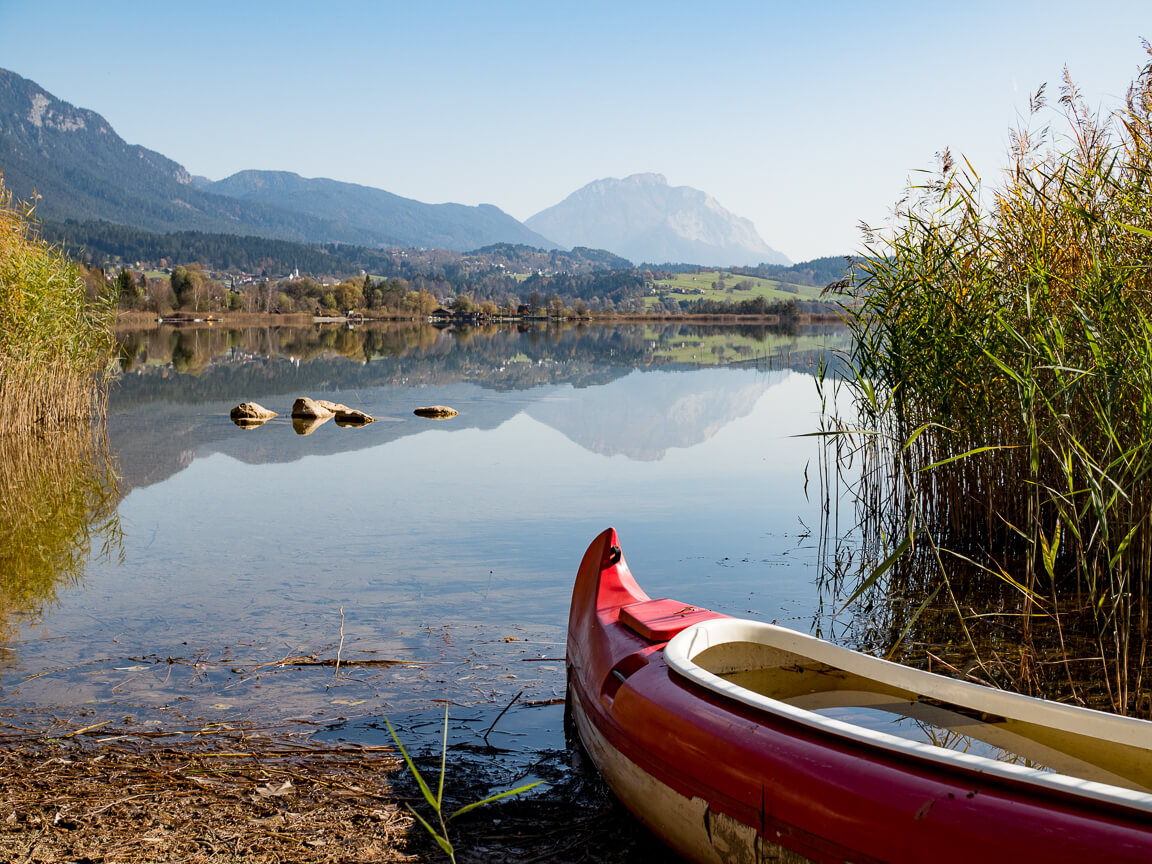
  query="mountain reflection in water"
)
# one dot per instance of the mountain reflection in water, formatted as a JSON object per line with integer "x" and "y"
{"x": 579, "y": 380}
{"x": 448, "y": 548}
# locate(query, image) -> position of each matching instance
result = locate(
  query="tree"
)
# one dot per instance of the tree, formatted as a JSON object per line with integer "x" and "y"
{"x": 194, "y": 289}
{"x": 349, "y": 296}
{"x": 128, "y": 291}
{"x": 161, "y": 297}
{"x": 419, "y": 302}
{"x": 250, "y": 298}
{"x": 182, "y": 287}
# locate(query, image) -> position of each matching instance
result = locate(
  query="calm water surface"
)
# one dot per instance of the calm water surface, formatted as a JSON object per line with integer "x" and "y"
{"x": 434, "y": 559}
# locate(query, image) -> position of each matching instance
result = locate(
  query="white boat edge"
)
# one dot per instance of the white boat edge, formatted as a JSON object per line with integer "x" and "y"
{"x": 682, "y": 648}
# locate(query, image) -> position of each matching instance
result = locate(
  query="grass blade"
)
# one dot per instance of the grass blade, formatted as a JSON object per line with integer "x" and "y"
{"x": 495, "y": 797}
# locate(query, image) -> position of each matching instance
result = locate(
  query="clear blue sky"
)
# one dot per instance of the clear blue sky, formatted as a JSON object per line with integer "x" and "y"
{"x": 804, "y": 117}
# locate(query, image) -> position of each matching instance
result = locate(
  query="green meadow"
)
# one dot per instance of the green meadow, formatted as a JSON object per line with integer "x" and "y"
{"x": 727, "y": 286}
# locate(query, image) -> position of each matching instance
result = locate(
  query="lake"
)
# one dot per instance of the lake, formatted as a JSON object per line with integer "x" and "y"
{"x": 433, "y": 560}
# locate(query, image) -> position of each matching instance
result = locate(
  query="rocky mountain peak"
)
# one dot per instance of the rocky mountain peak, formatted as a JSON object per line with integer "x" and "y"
{"x": 642, "y": 218}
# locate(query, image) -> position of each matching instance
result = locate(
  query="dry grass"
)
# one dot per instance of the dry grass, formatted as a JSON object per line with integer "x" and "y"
{"x": 270, "y": 795}
{"x": 207, "y": 797}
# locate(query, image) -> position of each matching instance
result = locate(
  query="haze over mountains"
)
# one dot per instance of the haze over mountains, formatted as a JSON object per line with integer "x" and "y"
{"x": 81, "y": 169}
{"x": 642, "y": 218}
{"x": 405, "y": 221}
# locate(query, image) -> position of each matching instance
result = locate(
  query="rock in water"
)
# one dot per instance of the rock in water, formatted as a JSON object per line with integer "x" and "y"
{"x": 436, "y": 412}
{"x": 352, "y": 417}
{"x": 310, "y": 409}
{"x": 322, "y": 409}
{"x": 250, "y": 414}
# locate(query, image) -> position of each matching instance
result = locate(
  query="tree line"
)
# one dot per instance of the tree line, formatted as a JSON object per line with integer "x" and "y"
{"x": 220, "y": 272}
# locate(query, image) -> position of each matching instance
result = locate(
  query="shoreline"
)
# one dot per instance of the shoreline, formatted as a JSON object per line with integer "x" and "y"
{"x": 290, "y": 791}
{"x": 144, "y": 321}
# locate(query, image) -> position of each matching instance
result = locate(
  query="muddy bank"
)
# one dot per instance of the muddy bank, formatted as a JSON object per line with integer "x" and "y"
{"x": 161, "y": 758}
{"x": 222, "y": 795}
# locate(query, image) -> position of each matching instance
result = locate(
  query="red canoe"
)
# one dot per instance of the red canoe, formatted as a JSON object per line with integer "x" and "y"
{"x": 735, "y": 740}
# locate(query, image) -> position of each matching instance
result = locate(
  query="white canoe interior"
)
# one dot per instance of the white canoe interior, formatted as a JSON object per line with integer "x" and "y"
{"x": 883, "y": 704}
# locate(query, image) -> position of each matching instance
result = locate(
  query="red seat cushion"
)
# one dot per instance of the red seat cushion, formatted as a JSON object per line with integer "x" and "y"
{"x": 660, "y": 620}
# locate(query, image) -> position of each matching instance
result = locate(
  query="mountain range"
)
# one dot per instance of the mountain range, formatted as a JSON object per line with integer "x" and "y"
{"x": 80, "y": 169}
{"x": 405, "y": 221}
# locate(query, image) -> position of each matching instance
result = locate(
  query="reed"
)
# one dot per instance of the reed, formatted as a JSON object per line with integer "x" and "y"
{"x": 1003, "y": 381}
{"x": 55, "y": 338}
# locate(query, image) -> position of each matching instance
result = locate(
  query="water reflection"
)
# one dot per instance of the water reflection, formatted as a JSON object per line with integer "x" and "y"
{"x": 449, "y": 546}
{"x": 215, "y": 363}
{"x": 60, "y": 497}
{"x": 390, "y": 370}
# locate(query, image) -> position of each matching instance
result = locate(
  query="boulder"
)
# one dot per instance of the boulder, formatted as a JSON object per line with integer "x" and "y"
{"x": 352, "y": 417}
{"x": 436, "y": 412}
{"x": 311, "y": 409}
{"x": 251, "y": 412}
{"x": 334, "y": 407}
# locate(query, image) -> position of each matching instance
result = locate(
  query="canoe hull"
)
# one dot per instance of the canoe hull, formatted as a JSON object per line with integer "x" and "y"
{"x": 686, "y": 825}
{"x": 721, "y": 781}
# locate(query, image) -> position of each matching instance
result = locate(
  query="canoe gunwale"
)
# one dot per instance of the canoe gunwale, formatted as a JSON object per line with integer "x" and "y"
{"x": 795, "y": 790}
{"x": 680, "y": 650}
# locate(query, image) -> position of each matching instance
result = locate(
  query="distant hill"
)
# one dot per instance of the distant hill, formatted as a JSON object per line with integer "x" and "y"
{"x": 525, "y": 259}
{"x": 405, "y": 221}
{"x": 112, "y": 245}
{"x": 818, "y": 271}
{"x": 644, "y": 219}
{"x": 82, "y": 170}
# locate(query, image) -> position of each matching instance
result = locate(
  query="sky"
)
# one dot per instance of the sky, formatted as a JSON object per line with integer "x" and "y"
{"x": 805, "y": 117}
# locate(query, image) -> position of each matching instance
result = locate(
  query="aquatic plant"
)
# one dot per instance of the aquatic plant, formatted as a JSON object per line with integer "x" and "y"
{"x": 1003, "y": 381}
{"x": 436, "y": 801}
{"x": 55, "y": 336}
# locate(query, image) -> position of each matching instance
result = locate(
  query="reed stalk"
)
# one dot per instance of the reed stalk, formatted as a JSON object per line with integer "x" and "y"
{"x": 1003, "y": 378}
{"x": 55, "y": 338}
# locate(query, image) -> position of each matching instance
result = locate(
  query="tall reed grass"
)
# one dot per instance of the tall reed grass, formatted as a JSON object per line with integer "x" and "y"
{"x": 55, "y": 339}
{"x": 1003, "y": 379}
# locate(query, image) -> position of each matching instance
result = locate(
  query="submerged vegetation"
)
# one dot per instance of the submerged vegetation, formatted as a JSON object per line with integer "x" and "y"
{"x": 1003, "y": 380}
{"x": 55, "y": 335}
